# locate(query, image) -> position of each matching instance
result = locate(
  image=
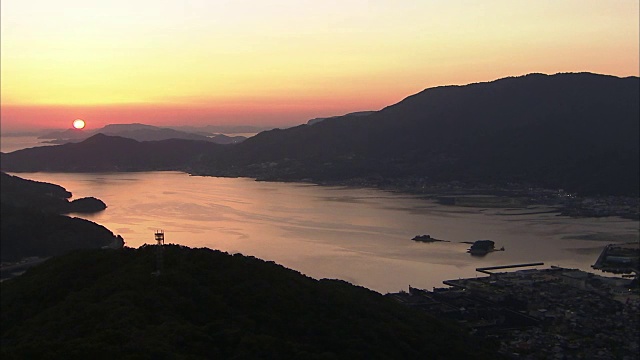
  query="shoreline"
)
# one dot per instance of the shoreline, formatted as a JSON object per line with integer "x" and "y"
{"x": 457, "y": 193}
{"x": 492, "y": 196}
{"x": 476, "y": 196}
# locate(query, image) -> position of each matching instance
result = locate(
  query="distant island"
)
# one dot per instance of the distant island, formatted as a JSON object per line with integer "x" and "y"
{"x": 139, "y": 132}
{"x": 426, "y": 239}
{"x": 482, "y": 247}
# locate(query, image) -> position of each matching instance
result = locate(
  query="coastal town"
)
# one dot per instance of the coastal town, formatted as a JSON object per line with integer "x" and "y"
{"x": 541, "y": 313}
{"x": 514, "y": 195}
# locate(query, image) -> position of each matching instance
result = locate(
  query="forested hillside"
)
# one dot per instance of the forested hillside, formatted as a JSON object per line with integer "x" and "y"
{"x": 206, "y": 304}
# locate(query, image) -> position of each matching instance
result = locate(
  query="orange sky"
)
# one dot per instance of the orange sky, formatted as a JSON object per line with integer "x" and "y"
{"x": 197, "y": 62}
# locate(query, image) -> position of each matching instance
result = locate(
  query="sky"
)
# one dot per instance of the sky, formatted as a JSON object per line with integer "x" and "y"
{"x": 283, "y": 62}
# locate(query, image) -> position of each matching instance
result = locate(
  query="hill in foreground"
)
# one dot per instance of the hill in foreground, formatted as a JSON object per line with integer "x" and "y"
{"x": 208, "y": 304}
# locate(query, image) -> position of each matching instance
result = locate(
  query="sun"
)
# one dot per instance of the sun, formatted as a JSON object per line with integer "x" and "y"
{"x": 78, "y": 124}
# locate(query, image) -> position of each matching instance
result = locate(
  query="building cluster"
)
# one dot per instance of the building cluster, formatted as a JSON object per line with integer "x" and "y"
{"x": 554, "y": 313}
{"x": 625, "y": 207}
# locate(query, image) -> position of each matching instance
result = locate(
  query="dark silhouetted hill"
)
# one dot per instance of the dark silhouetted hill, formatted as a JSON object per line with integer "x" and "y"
{"x": 43, "y": 196}
{"x": 31, "y": 224}
{"x": 109, "y": 153}
{"x": 576, "y": 131}
{"x": 26, "y": 232}
{"x": 573, "y": 131}
{"x": 206, "y": 304}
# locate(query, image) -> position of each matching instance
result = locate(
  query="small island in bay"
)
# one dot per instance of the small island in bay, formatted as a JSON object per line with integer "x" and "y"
{"x": 427, "y": 239}
{"x": 483, "y": 247}
{"x": 86, "y": 205}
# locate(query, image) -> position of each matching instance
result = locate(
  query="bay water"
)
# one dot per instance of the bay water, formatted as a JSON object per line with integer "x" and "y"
{"x": 359, "y": 235}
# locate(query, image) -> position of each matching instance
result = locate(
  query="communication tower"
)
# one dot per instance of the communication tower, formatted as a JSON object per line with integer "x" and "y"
{"x": 160, "y": 241}
{"x": 160, "y": 237}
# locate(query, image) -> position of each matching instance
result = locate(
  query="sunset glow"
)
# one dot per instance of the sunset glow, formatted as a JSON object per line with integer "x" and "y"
{"x": 283, "y": 62}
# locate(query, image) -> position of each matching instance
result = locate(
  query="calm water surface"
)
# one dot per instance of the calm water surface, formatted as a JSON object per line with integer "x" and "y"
{"x": 359, "y": 235}
{"x": 13, "y": 143}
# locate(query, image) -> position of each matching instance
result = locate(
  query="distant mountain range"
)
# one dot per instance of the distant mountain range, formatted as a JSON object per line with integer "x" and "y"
{"x": 575, "y": 131}
{"x": 139, "y": 132}
{"x": 222, "y": 129}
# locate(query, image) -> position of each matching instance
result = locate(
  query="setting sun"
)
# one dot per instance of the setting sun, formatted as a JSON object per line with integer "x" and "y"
{"x": 78, "y": 124}
{"x": 253, "y": 62}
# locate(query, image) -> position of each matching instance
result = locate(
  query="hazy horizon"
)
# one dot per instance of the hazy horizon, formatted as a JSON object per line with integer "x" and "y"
{"x": 222, "y": 128}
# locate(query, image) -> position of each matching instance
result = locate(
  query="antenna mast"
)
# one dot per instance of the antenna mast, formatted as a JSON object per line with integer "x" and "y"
{"x": 160, "y": 243}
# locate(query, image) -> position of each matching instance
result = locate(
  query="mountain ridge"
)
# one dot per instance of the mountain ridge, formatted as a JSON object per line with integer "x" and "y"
{"x": 101, "y": 152}
{"x": 573, "y": 131}
{"x": 427, "y": 136}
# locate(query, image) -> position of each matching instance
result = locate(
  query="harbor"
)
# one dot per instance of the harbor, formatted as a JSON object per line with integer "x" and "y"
{"x": 538, "y": 312}
{"x": 619, "y": 258}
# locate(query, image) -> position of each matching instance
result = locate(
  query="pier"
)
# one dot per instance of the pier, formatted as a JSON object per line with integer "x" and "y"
{"x": 486, "y": 270}
{"x": 619, "y": 259}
